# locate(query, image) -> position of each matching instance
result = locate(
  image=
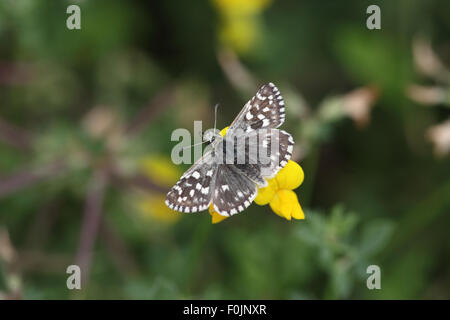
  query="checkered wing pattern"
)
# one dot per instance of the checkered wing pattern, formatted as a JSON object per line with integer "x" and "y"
{"x": 232, "y": 187}
{"x": 192, "y": 193}
{"x": 264, "y": 110}
{"x": 233, "y": 191}
{"x": 276, "y": 146}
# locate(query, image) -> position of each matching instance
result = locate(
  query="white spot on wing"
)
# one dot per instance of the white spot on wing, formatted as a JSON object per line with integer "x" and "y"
{"x": 196, "y": 174}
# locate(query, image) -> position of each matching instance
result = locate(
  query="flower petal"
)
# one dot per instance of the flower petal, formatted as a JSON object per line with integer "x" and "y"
{"x": 240, "y": 8}
{"x": 285, "y": 204}
{"x": 297, "y": 211}
{"x": 224, "y": 131}
{"x": 215, "y": 217}
{"x": 266, "y": 194}
{"x": 291, "y": 176}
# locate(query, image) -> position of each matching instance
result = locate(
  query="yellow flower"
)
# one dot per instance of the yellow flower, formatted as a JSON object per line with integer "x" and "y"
{"x": 223, "y": 132}
{"x": 153, "y": 206}
{"x": 161, "y": 171}
{"x": 278, "y": 193}
{"x": 240, "y": 34}
{"x": 215, "y": 217}
{"x": 241, "y": 22}
{"x": 239, "y": 7}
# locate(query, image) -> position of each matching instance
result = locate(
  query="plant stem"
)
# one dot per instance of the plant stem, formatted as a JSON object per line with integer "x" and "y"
{"x": 91, "y": 222}
{"x": 27, "y": 177}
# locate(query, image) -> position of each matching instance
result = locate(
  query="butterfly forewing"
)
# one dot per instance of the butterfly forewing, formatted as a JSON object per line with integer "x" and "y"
{"x": 192, "y": 193}
{"x": 264, "y": 110}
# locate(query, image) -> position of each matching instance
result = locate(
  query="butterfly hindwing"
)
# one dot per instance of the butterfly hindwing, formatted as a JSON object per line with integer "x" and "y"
{"x": 274, "y": 149}
{"x": 278, "y": 145}
{"x": 233, "y": 191}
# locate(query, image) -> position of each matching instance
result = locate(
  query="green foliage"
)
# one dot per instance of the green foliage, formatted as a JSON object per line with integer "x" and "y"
{"x": 80, "y": 110}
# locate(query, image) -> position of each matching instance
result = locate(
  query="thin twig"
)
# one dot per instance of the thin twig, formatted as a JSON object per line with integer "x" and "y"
{"x": 91, "y": 221}
{"x": 27, "y": 177}
{"x": 235, "y": 71}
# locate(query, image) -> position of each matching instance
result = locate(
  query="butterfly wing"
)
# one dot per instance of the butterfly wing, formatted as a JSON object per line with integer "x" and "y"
{"x": 232, "y": 187}
{"x": 264, "y": 110}
{"x": 278, "y": 146}
{"x": 233, "y": 191}
{"x": 275, "y": 146}
{"x": 192, "y": 193}
{"x": 235, "y": 184}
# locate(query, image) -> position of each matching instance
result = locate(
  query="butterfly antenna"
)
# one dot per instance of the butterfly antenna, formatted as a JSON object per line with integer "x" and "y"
{"x": 195, "y": 144}
{"x": 215, "y": 122}
{"x": 215, "y": 116}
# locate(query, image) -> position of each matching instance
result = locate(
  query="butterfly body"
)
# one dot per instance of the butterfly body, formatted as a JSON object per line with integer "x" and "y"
{"x": 230, "y": 171}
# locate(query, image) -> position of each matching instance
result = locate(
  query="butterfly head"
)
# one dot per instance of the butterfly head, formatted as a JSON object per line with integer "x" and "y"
{"x": 211, "y": 136}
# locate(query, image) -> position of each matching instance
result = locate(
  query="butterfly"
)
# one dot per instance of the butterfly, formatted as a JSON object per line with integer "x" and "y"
{"x": 231, "y": 186}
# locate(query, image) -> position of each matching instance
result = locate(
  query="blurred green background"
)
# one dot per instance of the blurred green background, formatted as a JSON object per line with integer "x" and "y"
{"x": 85, "y": 123}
